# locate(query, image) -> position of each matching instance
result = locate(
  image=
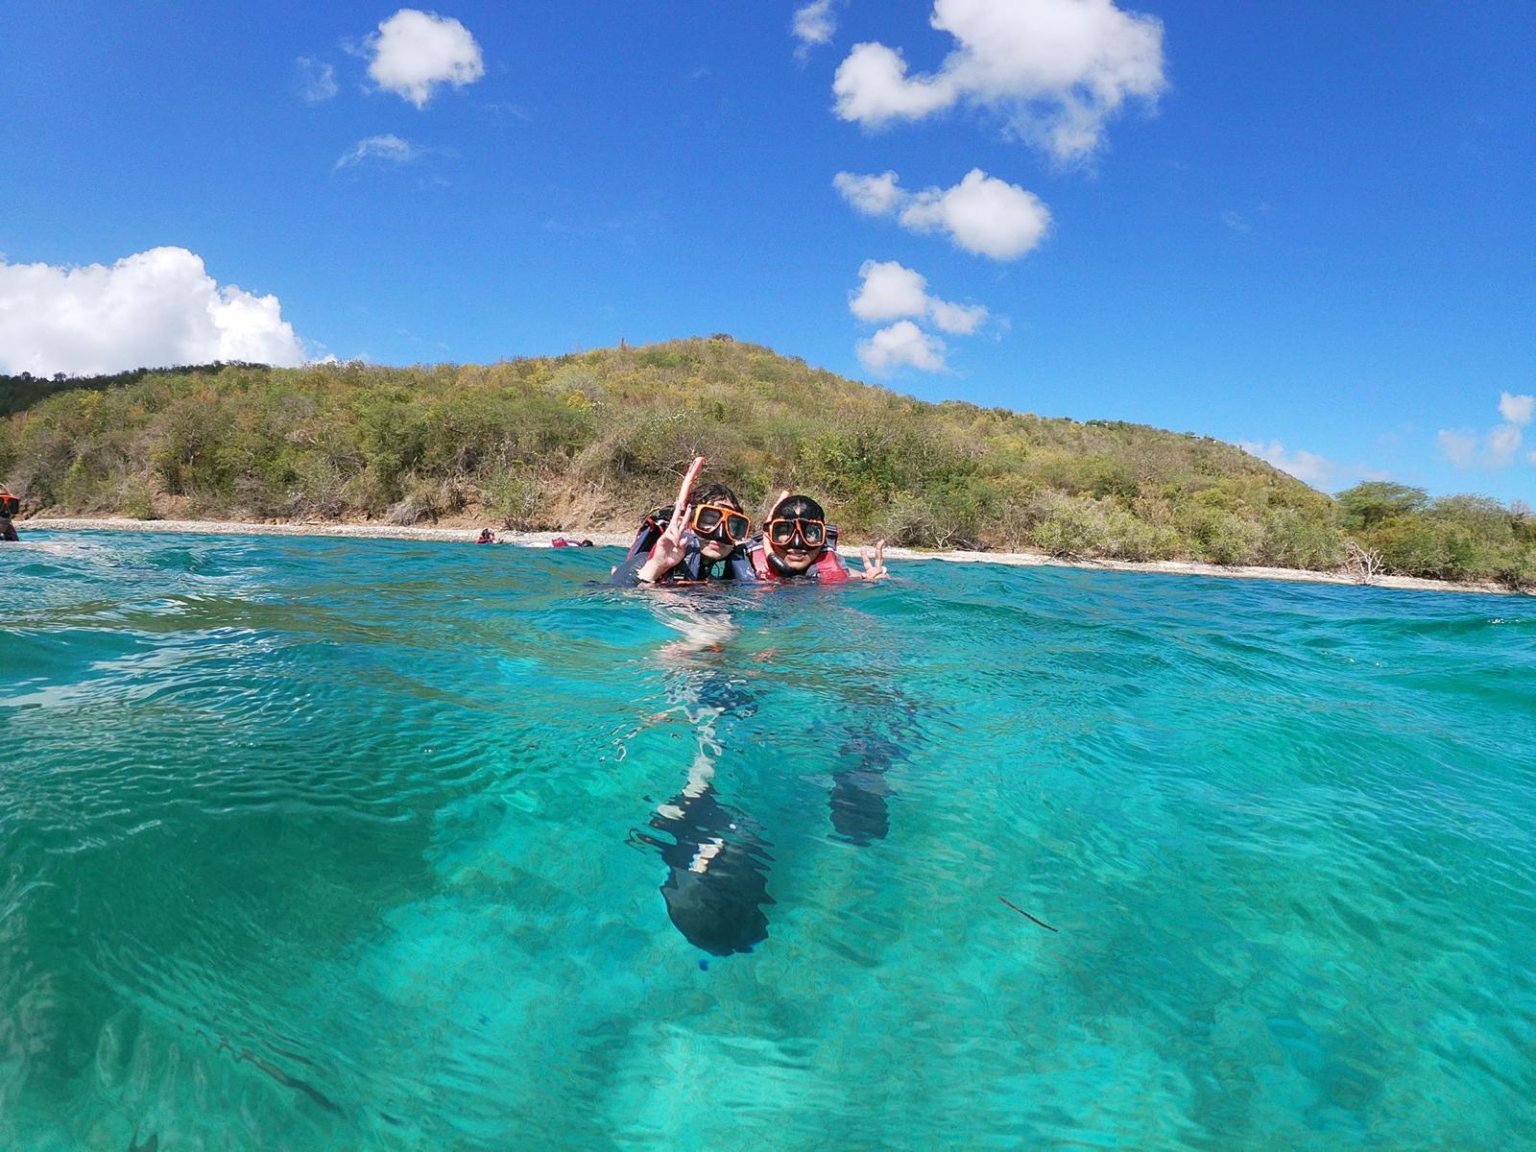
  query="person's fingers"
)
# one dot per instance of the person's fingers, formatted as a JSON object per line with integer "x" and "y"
{"x": 686, "y": 487}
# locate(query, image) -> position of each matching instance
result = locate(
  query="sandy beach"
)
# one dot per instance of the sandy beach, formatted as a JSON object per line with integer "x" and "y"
{"x": 613, "y": 539}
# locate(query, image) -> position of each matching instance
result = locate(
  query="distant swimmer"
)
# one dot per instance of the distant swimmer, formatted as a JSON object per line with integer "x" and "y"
{"x": 9, "y": 506}
{"x": 486, "y": 537}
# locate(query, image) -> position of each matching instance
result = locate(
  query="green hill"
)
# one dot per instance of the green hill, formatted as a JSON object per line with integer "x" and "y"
{"x": 590, "y": 440}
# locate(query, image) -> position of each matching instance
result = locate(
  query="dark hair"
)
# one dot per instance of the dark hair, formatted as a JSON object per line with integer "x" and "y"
{"x": 716, "y": 494}
{"x": 797, "y": 508}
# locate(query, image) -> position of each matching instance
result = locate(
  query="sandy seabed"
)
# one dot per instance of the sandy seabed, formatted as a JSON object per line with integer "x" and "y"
{"x": 611, "y": 539}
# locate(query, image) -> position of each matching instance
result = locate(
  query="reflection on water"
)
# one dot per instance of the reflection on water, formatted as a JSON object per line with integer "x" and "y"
{"x": 311, "y": 844}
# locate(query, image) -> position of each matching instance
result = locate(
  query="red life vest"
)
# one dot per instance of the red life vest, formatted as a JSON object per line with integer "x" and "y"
{"x": 828, "y": 568}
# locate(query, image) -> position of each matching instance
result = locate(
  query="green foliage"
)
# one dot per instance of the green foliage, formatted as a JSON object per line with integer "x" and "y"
{"x": 593, "y": 439}
{"x": 1376, "y": 501}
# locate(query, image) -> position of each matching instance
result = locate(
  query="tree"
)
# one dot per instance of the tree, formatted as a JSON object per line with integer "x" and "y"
{"x": 1376, "y": 501}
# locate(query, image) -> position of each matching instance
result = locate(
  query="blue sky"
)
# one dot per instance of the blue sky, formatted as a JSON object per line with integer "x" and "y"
{"x": 1303, "y": 227}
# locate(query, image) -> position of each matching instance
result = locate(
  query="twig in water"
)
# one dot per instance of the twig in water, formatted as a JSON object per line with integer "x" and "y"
{"x": 1025, "y": 914}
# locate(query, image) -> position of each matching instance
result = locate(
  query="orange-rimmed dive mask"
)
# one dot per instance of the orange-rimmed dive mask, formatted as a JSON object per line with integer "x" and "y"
{"x": 718, "y": 519}
{"x": 812, "y": 534}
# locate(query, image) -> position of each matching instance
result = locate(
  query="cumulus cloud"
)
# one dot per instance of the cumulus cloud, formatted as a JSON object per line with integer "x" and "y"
{"x": 902, "y": 345}
{"x": 1517, "y": 410}
{"x": 317, "y": 80}
{"x": 1458, "y": 446}
{"x": 872, "y": 195}
{"x": 414, "y": 52}
{"x": 1056, "y": 70}
{"x": 153, "y": 309}
{"x": 386, "y": 147}
{"x": 890, "y": 291}
{"x": 981, "y": 214}
{"x": 1308, "y": 467}
{"x": 814, "y": 24}
{"x": 1501, "y": 443}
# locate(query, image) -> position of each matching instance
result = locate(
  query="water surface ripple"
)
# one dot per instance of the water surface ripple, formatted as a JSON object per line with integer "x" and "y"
{"x": 317, "y": 844}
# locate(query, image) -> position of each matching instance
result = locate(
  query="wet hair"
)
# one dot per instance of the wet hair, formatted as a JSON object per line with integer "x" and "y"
{"x": 797, "y": 508}
{"x": 716, "y": 494}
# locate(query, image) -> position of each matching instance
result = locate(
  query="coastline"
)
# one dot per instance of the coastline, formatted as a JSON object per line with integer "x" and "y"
{"x": 466, "y": 535}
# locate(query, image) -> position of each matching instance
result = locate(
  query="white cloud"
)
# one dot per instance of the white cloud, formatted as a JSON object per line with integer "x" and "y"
{"x": 1517, "y": 410}
{"x": 387, "y": 147}
{"x": 961, "y": 319}
{"x": 1308, "y": 467}
{"x": 317, "y": 80}
{"x": 981, "y": 214}
{"x": 414, "y": 52}
{"x": 1057, "y": 70}
{"x": 814, "y": 24}
{"x": 890, "y": 291}
{"x": 902, "y": 345}
{"x": 872, "y": 195}
{"x": 153, "y": 309}
{"x": 1457, "y": 446}
{"x": 1503, "y": 443}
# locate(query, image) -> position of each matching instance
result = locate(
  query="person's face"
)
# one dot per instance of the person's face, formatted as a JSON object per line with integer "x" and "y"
{"x": 714, "y": 548}
{"x": 718, "y": 545}
{"x": 786, "y": 539}
{"x": 796, "y": 558}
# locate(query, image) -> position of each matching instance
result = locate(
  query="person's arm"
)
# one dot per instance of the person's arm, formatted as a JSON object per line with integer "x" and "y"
{"x": 670, "y": 550}
{"x": 627, "y": 574}
{"x": 8, "y": 530}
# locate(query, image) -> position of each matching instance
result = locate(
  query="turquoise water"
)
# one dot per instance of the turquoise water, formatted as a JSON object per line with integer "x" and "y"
{"x": 324, "y": 844}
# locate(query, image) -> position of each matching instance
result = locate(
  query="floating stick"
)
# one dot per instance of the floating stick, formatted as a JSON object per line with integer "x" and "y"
{"x": 1025, "y": 914}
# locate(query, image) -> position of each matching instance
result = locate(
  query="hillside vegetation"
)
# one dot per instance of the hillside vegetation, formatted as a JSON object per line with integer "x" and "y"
{"x": 589, "y": 441}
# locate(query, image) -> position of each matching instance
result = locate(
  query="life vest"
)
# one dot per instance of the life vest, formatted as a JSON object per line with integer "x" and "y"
{"x": 693, "y": 568}
{"x": 649, "y": 532}
{"x": 829, "y": 566}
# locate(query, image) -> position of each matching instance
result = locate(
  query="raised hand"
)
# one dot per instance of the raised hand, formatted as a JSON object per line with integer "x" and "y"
{"x": 669, "y": 551}
{"x": 874, "y": 569}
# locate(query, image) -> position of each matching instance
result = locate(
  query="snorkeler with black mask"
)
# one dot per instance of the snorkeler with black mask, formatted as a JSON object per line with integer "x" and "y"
{"x": 797, "y": 543}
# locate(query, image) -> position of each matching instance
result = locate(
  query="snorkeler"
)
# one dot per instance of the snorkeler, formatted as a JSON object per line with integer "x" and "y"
{"x": 797, "y": 543}
{"x": 9, "y": 506}
{"x": 701, "y": 538}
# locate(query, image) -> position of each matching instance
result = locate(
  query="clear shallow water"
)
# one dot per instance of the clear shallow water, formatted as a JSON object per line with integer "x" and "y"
{"x": 318, "y": 844}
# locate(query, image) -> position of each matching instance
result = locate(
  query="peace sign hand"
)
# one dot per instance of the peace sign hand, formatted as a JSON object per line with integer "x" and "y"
{"x": 874, "y": 569}
{"x": 669, "y": 551}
